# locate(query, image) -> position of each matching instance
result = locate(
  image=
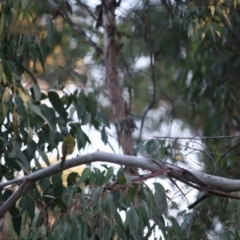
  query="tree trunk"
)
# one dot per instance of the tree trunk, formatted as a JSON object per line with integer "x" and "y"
{"x": 123, "y": 122}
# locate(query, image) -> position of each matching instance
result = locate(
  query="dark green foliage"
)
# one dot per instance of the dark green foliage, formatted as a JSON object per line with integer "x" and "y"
{"x": 194, "y": 48}
{"x": 94, "y": 212}
{"x": 29, "y": 127}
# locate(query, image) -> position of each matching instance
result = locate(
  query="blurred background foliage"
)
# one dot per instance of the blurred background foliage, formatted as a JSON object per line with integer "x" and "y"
{"x": 180, "y": 57}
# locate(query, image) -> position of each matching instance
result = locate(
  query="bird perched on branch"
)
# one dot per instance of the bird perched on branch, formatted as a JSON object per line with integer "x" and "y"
{"x": 68, "y": 147}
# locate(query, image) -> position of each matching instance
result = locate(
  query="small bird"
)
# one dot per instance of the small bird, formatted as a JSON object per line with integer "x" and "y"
{"x": 68, "y": 147}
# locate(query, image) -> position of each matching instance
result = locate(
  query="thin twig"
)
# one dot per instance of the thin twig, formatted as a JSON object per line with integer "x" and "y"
{"x": 158, "y": 51}
{"x": 87, "y": 8}
{"x": 174, "y": 182}
{"x": 169, "y": 8}
{"x": 229, "y": 150}
{"x": 198, "y": 138}
{"x": 153, "y": 76}
{"x": 208, "y": 154}
{"x": 76, "y": 27}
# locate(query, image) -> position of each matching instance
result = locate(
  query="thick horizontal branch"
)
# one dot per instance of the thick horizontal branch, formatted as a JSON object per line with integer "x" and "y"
{"x": 201, "y": 181}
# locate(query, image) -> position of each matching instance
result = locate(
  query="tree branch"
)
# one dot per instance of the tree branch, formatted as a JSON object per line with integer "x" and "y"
{"x": 76, "y": 27}
{"x": 213, "y": 185}
{"x": 202, "y": 198}
{"x": 87, "y": 8}
{"x": 202, "y": 138}
{"x": 224, "y": 154}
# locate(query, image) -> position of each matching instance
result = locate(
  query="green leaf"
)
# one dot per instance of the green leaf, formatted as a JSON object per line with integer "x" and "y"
{"x": 57, "y": 104}
{"x": 81, "y": 77}
{"x": 16, "y": 153}
{"x": 82, "y": 138}
{"x": 44, "y": 157}
{"x": 24, "y": 164}
{"x": 7, "y": 193}
{"x": 70, "y": 194}
{"x": 48, "y": 113}
{"x": 227, "y": 236}
{"x": 127, "y": 177}
{"x": 102, "y": 118}
{"x": 160, "y": 198}
{"x": 37, "y": 92}
{"x": 86, "y": 118}
{"x": 17, "y": 222}
{"x": 132, "y": 219}
{"x": 37, "y": 110}
{"x": 72, "y": 178}
{"x": 16, "y": 219}
{"x": 92, "y": 105}
{"x": 110, "y": 205}
{"x": 81, "y": 104}
{"x": 60, "y": 203}
{"x": 2, "y": 24}
{"x": 238, "y": 210}
{"x": 31, "y": 147}
{"x": 50, "y": 32}
{"x": 145, "y": 213}
{"x": 175, "y": 226}
{"x": 20, "y": 107}
{"x": 84, "y": 232}
{"x": 109, "y": 174}
{"x": 104, "y": 136}
{"x": 119, "y": 225}
{"x": 187, "y": 221}
{"x": 134, "y": 190}
{"x": 40, "y": 56}
{"x": 212, "y": 32}
{"x": 219, "y": 9}
{"x": 12, "y": 68}
{"x": 85, "y": 175}
{"x": 174, "y": 205}
{"x": 35, "y": 220}
{"x": 1, "y": 71}
{"x": 44, "y": 52}
{"x": 57, "y": 184}
{"x": 33, "y": 52}
{"x": 75, "y": 225}
{"x": 181, "y": 213}
{"x": 27, "y": 204}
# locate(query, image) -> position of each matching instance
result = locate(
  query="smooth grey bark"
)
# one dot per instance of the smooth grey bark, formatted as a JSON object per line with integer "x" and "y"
{"x": 205, "y": 182}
